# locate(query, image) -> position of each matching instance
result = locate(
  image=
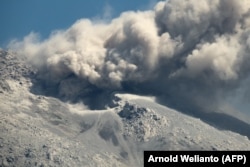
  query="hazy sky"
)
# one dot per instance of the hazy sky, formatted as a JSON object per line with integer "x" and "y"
{"x": 20, "y": 17}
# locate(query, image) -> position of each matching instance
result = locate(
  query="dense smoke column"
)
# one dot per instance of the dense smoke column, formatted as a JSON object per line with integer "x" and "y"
{"x": 190, "y": 53}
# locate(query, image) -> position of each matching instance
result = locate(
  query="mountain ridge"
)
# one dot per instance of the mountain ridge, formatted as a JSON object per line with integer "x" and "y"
{"x": 41, "y": 130}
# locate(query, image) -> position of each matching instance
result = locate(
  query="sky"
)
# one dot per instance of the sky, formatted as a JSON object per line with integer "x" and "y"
{"x": 19, "y": 18}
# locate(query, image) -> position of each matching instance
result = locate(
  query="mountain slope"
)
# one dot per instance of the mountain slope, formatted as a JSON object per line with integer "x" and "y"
{"x": 39, "y": 130}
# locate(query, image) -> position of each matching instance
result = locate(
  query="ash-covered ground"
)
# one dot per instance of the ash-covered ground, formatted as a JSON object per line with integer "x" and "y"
{"x": 44, "y": 129}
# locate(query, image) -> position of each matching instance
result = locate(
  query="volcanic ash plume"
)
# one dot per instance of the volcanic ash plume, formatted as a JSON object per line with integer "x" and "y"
{"x": 192, "y": 53}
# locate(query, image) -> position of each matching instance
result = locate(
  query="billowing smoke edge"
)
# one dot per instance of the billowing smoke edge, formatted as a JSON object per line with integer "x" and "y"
{"x": 190, "y": 54}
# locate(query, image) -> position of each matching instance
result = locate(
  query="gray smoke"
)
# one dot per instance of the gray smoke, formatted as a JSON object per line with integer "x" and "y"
{"x": 192, "y": 54}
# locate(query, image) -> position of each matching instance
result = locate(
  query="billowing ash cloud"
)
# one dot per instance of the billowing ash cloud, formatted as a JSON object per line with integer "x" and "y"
{"x": 192, "y": 53}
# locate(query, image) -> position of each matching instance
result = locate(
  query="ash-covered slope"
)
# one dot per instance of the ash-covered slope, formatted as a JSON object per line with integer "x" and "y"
{"x": 39, "y": 130}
